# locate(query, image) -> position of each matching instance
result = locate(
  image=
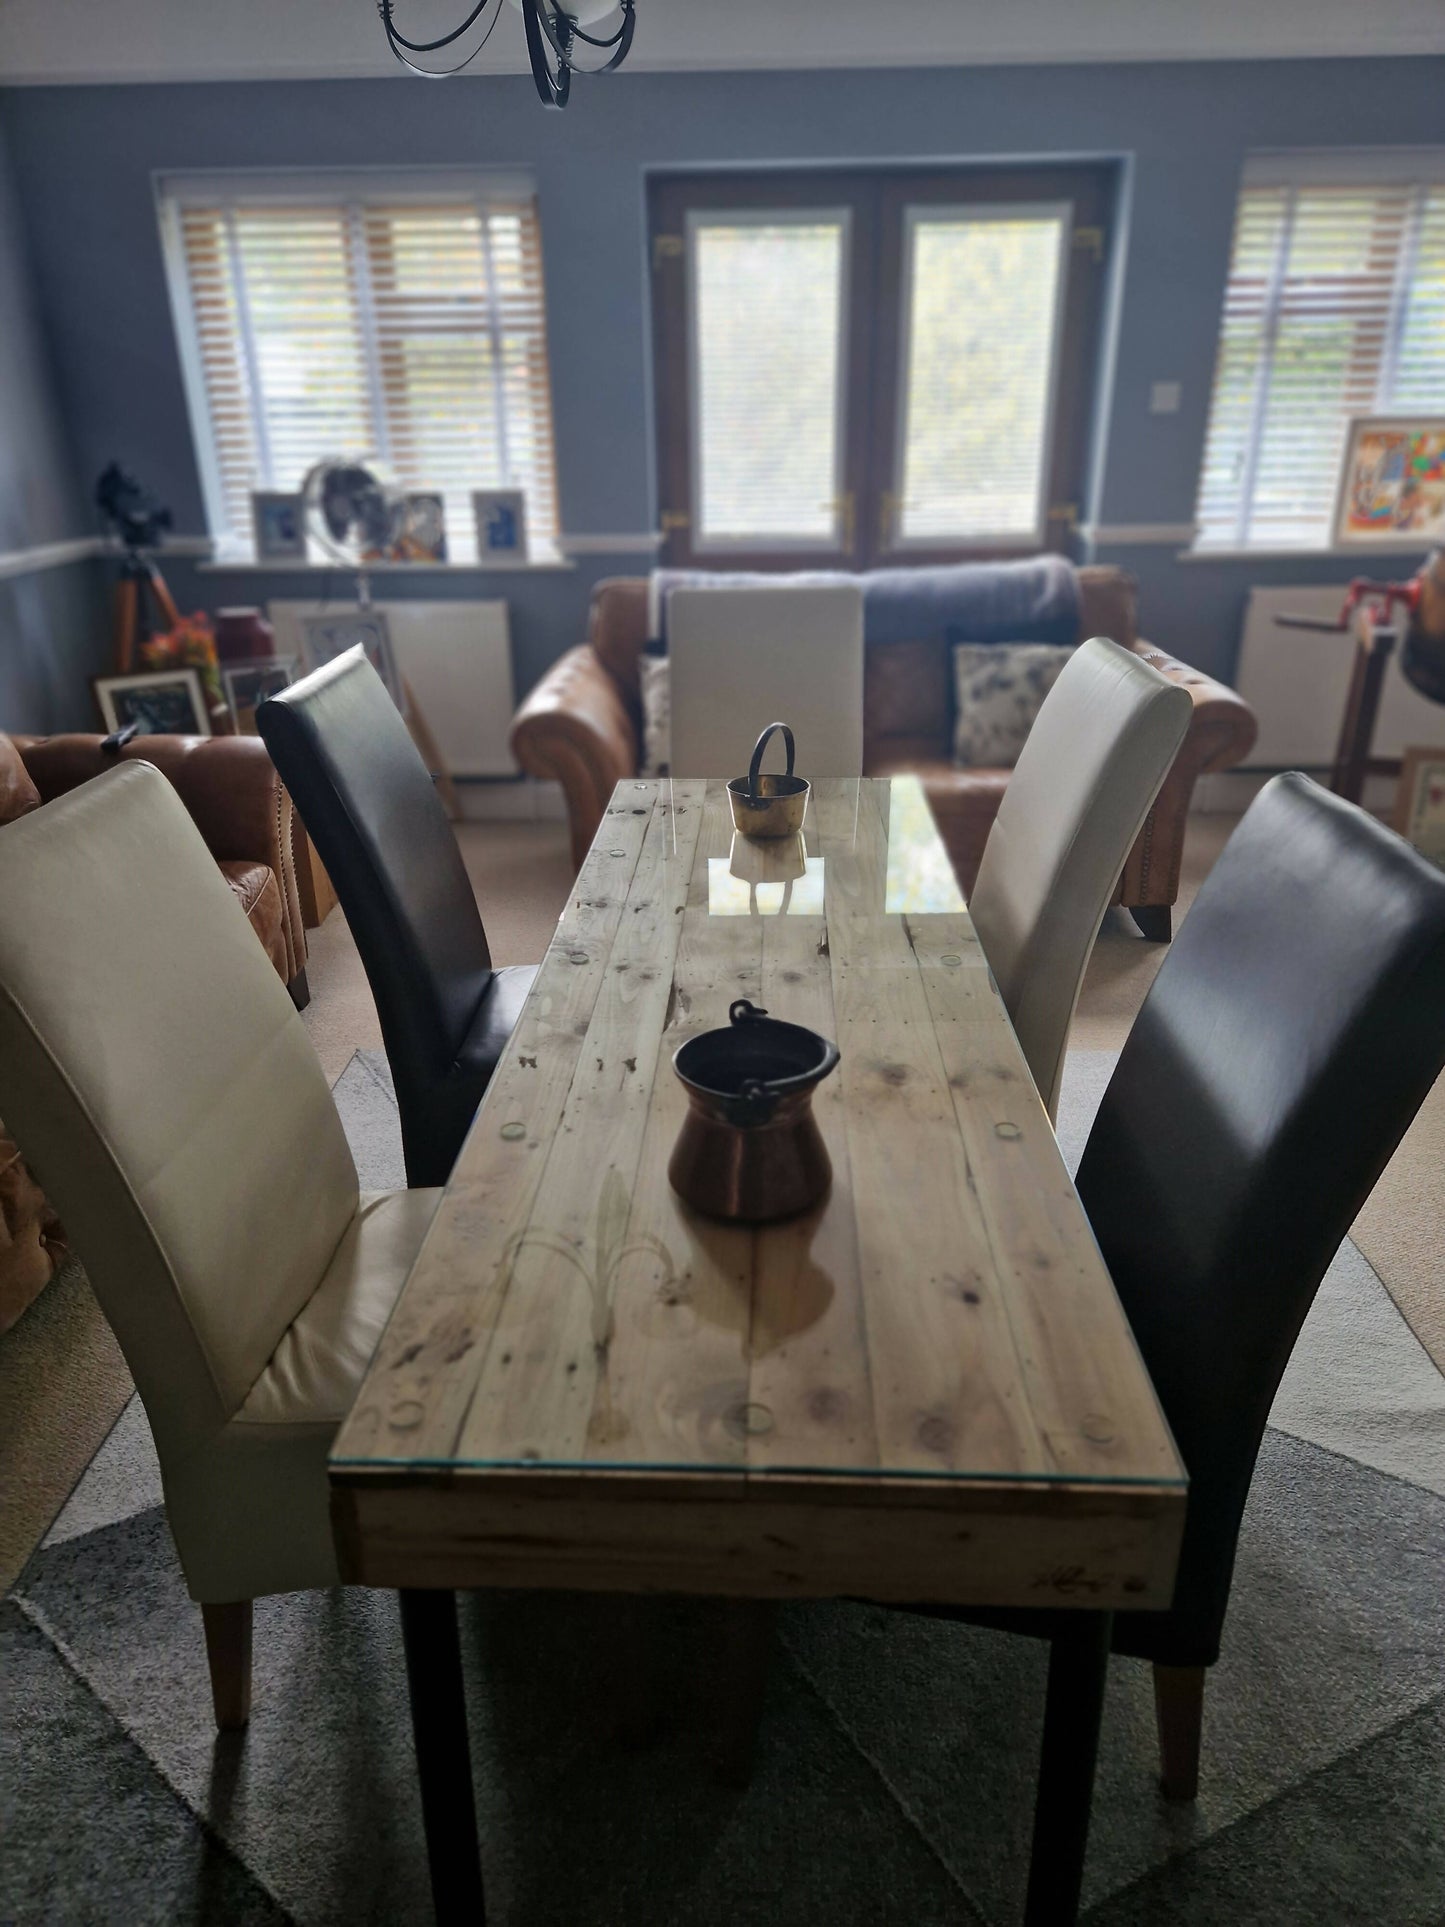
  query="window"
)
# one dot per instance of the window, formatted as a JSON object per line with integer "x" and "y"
{"x": 861, "y": 367}
{"x": 1335, "y": 307}
{"x": 346, "y": 315}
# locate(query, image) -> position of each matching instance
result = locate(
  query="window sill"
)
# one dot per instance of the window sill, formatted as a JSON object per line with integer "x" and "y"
{"x": 1358, "y": 554}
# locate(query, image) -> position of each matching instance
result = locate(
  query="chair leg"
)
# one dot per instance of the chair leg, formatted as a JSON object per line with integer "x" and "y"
{"x": 228, "y": 1650}
{"x": 1179, "y": 1709}
{"x": 1155, "y": 921}
{"x": 1078, "y": 1669}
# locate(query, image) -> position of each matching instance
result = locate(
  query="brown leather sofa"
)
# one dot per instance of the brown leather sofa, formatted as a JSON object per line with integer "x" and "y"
{"x": 236, "y": 800}
{"x": 581, "y": 727}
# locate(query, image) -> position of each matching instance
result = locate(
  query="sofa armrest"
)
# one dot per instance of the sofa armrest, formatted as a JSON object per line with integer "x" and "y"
{"x": 1221, "y": 733}
{"x": 574, "y": 729}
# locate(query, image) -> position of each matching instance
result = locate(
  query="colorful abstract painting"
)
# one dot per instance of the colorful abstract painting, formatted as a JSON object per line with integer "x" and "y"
{"x": 1393, "y": 487}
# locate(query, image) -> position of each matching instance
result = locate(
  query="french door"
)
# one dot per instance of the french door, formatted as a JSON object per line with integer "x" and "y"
{"x": 854, "y": 369}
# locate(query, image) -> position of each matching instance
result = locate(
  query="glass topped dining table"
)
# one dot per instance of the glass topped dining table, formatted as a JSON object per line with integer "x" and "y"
{"x": 922, "y": 1390}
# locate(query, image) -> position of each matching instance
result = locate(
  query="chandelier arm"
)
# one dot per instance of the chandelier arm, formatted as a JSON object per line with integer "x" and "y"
{"x": 386, "y": 9}
{"x": 621, "y": 40}
{"x": 396, "y": 43}
{"x": 552, "y": 88}
{"x": 611, "y": 40}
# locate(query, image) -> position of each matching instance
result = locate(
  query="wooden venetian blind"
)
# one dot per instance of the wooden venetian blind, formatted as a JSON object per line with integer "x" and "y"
{"x": 406, "y": 325}
{"x": 1335, "y": 307}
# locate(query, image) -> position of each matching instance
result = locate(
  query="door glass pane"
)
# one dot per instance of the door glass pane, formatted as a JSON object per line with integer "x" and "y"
{"x": 981, "y": 317}
{"x": 767, "y": 325}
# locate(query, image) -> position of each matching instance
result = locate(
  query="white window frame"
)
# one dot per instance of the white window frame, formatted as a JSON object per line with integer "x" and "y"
{"x": 1422, "y": 168}
{"x": 353, "y": 187}
{"x": 922, "y": 213}
{"x": 760, "y": 544}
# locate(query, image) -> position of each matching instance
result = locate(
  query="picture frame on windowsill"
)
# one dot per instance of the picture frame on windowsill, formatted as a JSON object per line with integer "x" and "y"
{"x": 278, "y": 525}
{"x": 1420, "y": 803}
{"x": 1392, "y": 483}
{"x": 164, "y": 702}
{"x": 501, "y": 518}
{"x": 248, "y": 684}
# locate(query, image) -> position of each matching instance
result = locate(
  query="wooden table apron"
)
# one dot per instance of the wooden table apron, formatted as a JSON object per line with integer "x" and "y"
{"x": 923, "y": 1389}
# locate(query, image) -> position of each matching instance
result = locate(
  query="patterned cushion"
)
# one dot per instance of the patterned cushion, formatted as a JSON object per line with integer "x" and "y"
{"x": 1001, "y": 687}
{"x": 656, "y": 715}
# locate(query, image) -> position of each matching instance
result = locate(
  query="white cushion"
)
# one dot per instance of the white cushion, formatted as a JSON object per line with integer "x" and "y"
{"x": 1000, "y": 688}
{"x": 655, "y": 677}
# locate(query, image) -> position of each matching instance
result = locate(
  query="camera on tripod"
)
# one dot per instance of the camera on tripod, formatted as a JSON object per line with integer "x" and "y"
{"x": 143, "y": 603}
{"x": 138, "y": 517}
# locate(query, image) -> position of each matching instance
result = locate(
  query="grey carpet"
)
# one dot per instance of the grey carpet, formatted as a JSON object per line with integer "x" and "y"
{"x": 895, "y": 1769}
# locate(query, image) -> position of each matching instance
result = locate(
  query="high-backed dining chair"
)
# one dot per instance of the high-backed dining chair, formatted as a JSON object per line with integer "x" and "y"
{"x": 739, "y": 656}
{"x": 1293, "y": 1031}
{"x": 370, "y": 808}
{"x": 1087, "y": 777}
{"x": 157, "y": 1076}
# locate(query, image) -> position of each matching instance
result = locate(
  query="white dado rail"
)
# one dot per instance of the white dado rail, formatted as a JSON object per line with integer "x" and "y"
{"x": 84, "y": 548}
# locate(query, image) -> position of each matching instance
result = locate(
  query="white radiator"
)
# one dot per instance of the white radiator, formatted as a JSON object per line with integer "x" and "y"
{"x": 1296, "y": 680}
{"x": 457, "y": 657}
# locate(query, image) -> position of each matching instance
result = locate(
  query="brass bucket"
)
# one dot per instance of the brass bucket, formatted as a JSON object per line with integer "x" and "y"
{"x": 768, "y": 806}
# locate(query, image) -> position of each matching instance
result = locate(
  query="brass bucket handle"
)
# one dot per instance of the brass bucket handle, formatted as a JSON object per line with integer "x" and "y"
{"x": 762, "y": 743}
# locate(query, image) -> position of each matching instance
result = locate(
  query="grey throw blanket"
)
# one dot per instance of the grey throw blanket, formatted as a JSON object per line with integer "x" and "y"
{"x": 1036, "y": 600}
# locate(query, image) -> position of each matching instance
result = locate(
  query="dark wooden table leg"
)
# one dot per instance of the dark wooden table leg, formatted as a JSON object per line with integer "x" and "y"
{"x": 443, "y": 1757}
{"x": 1078, "y": 1667}
{"x": 747, "y": 1632}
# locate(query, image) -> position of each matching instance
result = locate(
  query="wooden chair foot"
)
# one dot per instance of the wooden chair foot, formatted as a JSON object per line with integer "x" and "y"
{"x": 228, "y": 1651}
{"x": 1179, "y": 1709}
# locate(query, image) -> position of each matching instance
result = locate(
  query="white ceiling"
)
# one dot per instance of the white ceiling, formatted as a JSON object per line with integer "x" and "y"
{"x": 81, "y": 41}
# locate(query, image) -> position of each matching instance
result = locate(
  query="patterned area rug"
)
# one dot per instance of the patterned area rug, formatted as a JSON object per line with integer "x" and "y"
{"x": 894, "y": 1778}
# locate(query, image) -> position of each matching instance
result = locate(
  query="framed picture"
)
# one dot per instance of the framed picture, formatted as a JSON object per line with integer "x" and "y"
{"x": 165, "y": 702}
{"x": 1392, "y": 487}
{"x": 248, "y": 684}
{"x": 501, "y": 527}
{"x": 326, "y": 636}
{"x": 421, "y": 533}
{"x": 1420, "y": 802}
{"x": 279, "y": 523}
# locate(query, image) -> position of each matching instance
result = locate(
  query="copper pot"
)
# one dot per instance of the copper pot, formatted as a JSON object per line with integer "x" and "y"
{"x": 750, "y": 1148}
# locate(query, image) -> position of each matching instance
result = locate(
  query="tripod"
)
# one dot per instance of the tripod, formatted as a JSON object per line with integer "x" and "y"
{"x": 140, "y": 586}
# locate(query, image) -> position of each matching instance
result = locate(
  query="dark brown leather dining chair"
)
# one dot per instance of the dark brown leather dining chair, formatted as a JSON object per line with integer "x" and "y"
{"x": 1295, "y": 1028}
{"x": 370, "y": 808}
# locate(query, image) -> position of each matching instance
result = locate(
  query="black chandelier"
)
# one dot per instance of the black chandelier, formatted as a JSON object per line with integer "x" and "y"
{"x": 553, "y": 36}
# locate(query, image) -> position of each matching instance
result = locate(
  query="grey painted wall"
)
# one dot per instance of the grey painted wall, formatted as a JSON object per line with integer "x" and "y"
{"x": 47, "y": 618}
{"x": 84, "y": 159}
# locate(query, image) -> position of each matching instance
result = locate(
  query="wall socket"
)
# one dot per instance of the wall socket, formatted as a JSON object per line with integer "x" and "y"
{"x": 1164, "y": 398}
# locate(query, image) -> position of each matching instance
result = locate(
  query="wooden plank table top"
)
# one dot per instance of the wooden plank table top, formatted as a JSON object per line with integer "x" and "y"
{"x": 924, "y": 1388}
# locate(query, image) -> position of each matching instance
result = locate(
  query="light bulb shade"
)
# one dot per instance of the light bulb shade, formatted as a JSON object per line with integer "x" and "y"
{"x": 584, "y": 12}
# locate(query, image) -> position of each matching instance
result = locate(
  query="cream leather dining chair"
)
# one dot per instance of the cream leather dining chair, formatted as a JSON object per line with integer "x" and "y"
{"x": 158, "y": 1076}
{"x": 1086, "y": 778}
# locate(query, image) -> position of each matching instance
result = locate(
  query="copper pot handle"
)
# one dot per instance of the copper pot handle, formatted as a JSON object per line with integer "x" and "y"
{"x": 762, "y": 743}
